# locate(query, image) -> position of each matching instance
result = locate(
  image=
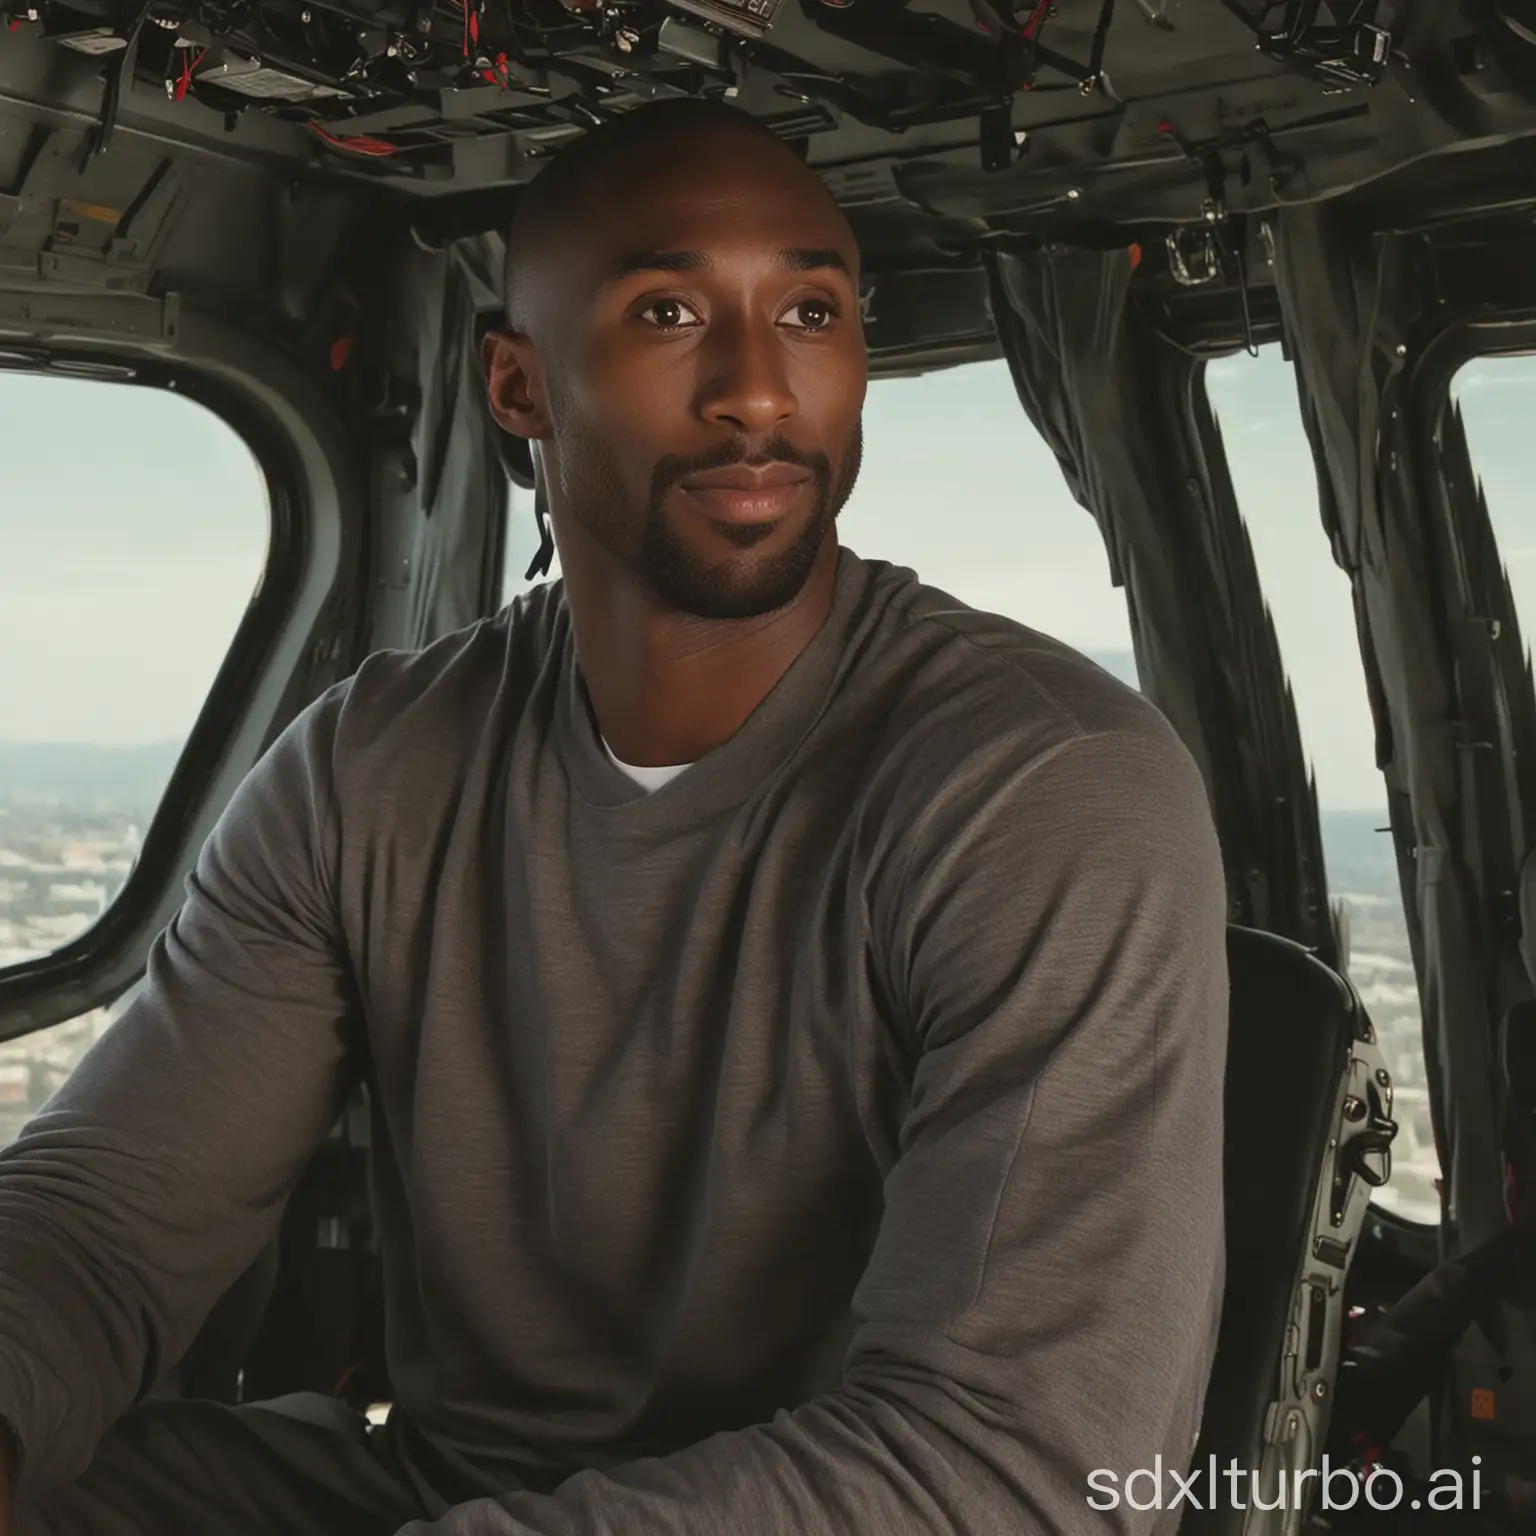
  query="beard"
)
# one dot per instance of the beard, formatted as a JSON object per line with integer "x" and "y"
{"x": 734, "y": 588}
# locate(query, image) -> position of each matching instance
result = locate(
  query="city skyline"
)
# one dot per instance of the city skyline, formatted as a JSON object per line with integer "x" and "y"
{"x": 955, "y": 485}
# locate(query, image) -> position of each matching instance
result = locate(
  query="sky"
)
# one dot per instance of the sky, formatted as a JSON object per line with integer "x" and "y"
{"x": 118, "y": 602}
{"x": 134, "y": 527}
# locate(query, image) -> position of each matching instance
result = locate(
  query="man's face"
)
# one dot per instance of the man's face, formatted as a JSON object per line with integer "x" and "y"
{"x": 702, "y": 368}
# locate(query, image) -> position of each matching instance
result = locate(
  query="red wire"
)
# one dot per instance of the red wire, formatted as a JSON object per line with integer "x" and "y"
{"x": 358, "y": 144}
{"x": 1032, "y": 26}
{"x": 471, "y": 23}
{"x": 185, "y": 83}
{"x": 346, "y": 1377}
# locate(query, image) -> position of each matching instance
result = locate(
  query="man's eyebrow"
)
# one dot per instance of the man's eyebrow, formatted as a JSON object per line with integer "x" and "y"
{"x": 808, "y": 259}
{"x": 658, "y": 261}
{"x": 794, "y": 258}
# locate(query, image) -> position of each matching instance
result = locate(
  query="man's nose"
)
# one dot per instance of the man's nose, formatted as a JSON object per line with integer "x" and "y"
{"x": 745, "y": 379}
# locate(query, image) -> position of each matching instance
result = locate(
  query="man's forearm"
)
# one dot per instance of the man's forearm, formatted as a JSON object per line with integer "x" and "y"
{"x": 132, "y": 1201}
{"x": 909, "y": 1460}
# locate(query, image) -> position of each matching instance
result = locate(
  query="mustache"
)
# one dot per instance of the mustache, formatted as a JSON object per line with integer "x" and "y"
{"x": 675, "y": 468}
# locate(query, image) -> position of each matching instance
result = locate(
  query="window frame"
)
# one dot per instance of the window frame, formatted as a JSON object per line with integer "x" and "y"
{"x": 1498, "y": 326}
{"x": 1476, "y": 276}
{"x": 1400, "y": 1234}
{"x": 1449, "y": 339}
{"x": 1462, "y": 340}
{"x": 298, "y": 624}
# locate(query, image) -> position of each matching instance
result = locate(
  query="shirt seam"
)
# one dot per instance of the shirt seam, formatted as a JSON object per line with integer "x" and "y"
{"x": 1003, "y": 658}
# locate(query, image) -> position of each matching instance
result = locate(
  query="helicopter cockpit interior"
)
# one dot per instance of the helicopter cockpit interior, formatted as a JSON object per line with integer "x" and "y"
{"x": 1203, "y": 255}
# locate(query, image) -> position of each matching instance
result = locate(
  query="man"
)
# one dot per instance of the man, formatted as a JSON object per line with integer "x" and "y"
{"x": 793, "y": 1003}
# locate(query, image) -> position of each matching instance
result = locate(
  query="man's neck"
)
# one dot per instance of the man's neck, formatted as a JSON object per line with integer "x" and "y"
{"x": 667, "y": 687}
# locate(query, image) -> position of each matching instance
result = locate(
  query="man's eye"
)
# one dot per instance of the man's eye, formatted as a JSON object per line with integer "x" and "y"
{"x": 811, "y": 314}
{"x": 668, "y": 314}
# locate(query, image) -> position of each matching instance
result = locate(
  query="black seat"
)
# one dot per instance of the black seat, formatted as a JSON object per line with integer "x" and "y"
{"x": 1295, "y": 1032}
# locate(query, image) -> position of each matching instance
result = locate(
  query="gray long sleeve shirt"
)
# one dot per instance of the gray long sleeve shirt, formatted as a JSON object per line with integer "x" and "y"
{"x": 829, "y": 1142}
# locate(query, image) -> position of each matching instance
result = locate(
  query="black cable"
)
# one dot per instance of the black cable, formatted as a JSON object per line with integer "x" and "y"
{"x": 1240, "y": 262}
{"x": 100, "y": 137}
{"x": 540, "y": 564}
{"x": 1101, "y": 40}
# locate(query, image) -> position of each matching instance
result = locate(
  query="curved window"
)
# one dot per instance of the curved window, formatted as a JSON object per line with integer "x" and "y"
{"x": 136, "y": 532}
{"x": 1497, "y": 399}
{"x": 1309, "y": 599}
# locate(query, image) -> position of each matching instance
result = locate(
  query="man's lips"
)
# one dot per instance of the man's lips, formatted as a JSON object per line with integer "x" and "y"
{"x": 747, "y": 477}
{"x": 747, "y": 493}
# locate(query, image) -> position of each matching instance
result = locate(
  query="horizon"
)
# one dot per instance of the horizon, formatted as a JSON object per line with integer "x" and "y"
{"x": 956, "y": 484}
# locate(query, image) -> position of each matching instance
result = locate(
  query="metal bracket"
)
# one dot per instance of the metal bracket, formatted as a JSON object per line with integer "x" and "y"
{"x": 1356, "y": 53}
{"x": 1000, "y": 144}
{"x": 50, "y": 234}
{"x": 1192, "y": 255}
{"x": 91, "y": 317}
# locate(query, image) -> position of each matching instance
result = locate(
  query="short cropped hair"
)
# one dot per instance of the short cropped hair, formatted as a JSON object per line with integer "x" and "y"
{"x": 563, "y": 188}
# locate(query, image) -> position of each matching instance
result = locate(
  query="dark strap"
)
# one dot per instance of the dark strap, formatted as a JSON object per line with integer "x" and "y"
{"x": 540, "y": 565}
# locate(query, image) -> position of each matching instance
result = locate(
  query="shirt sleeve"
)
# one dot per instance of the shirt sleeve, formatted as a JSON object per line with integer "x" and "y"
{"x": 150, "y": 1182}
{"x": 1042, "y": 1301}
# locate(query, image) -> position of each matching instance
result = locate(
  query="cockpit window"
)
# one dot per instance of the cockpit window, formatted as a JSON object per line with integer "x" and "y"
{"x": 957, "y": 485}
{"x": 127, "y": 562}
{"x": 1497, "y": 399}
{"x": 1309, "y": 598}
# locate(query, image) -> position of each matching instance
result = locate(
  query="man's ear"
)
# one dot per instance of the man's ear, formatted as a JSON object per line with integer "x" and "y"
{"x": 514, "y": 384}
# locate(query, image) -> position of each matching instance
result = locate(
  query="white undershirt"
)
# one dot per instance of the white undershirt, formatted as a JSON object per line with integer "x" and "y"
{"x": 649, "y": 779}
